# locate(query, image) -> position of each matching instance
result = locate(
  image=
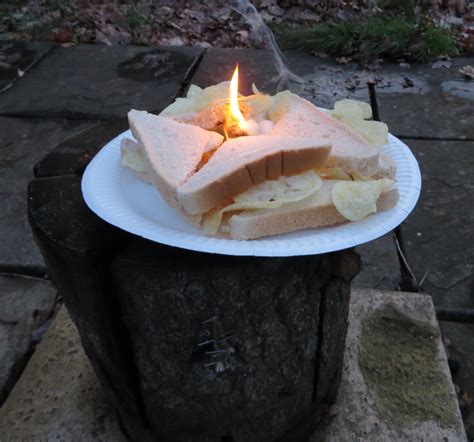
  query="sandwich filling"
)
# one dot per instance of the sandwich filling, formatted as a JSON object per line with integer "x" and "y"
{"x": 267, "y": 195}
{"x": 354, "y": 200}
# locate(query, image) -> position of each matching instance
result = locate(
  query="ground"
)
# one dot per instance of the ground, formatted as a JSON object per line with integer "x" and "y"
{"x": 216, "y": 23}
{"x": 58, "y": 97}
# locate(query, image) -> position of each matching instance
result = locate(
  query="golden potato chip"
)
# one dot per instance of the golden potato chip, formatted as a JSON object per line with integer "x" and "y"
{"x": 267, "y": 195}
{"x": 356, "y": 199}
{"x": 333, "y": 173}
{"x": 375, "y": 132}
{"x": 354, "y": 114}
{"x": 198, "y": 99}
{"x": 132, "y": 156}
{"x": 259, "y": 104}
{"x": 286, "y": 187}
{"x": 279, "y": 105}
{"x": 352, "y": 110}
{"x": 193, "y": 91}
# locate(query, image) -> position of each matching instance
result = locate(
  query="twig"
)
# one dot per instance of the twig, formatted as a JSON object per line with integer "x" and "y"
{"x": 424, "y": 277}
{"x": 405, "y": 262}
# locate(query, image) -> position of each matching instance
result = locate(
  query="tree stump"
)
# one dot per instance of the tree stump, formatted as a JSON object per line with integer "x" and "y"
{"x": 192, "y": 346}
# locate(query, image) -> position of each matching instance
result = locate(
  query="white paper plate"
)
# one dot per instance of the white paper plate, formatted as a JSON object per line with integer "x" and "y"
{"x": 117, "y": 196}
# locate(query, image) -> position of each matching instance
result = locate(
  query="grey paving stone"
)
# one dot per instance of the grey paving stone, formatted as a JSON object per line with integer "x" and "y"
{"x": 16, "y": 57}
{"x": 459, "y": 341}
{"x": 25, "y": 304}
{"x": 364, "y": 411}
{"x": 418, "y": 102}
{"x": 380, "y": 266}
{"x": 23, "y": 143}
{"x": 426, "y": 102}
{"x": 323, "y": 80}
{"x": 58, "y": 397}
{"x": 439, "y": 234}
{"x": 96, "y": 81}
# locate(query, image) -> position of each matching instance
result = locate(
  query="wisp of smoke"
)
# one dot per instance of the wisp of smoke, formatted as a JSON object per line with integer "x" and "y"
{"x": 285, "y": 79}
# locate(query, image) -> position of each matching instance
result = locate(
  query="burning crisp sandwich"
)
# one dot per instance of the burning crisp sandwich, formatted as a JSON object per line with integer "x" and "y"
{"x": 249, "y": 167}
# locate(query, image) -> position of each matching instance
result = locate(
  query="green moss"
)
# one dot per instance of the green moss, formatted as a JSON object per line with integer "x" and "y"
{"x": 388, "y": 36}
{"x": 397, "y": 356}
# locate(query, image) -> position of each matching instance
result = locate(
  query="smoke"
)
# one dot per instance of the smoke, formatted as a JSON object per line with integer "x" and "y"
{"x": 285, "y": 78}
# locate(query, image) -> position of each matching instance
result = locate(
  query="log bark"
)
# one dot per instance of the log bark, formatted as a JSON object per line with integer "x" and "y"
{"x": 234, "y": 348}
{"x": 77, "y": 247}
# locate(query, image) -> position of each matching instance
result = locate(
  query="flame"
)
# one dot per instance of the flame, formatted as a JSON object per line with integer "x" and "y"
{"x": 234, "y": 99}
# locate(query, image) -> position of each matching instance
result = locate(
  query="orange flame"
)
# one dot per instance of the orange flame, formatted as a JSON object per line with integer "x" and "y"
{"x": 234, "y": 99}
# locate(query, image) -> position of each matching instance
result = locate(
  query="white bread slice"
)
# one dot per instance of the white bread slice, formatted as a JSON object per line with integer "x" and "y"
{"x": 173, "y": 150}
{"x": 243, "y": 162}
{"x": 315, "y": 211}
{"x": 350, "y": 151}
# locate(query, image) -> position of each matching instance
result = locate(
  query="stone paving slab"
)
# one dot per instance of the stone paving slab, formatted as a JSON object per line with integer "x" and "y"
{"x": 425, "y": 102}
{"x": 439, "y": 233}
{"x": 67, "y": 402}
{"x": 438, "y": 236}
{"x": 23, "y": 143}
{"x": 95, "y": 81}
{"x": 16, "y": 57}
{"x": 459, "y": 342}
{"x": 380, "y": 266}
{"x": 396, "y": 384}
{"x": 25, "y": 304}
{"x": 58, "y": 397}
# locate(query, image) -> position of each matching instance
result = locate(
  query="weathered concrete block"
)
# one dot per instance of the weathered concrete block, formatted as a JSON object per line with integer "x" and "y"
{"x": 58, "y": 397}
{"x": 396, "y": 383}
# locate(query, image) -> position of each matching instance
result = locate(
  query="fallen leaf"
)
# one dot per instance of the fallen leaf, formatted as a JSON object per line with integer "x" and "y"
{"x": 61, "y": 36}
{"x": 468, "y": 71}
{"x": 465, "y": 401}
{"x": 343, "y": 60}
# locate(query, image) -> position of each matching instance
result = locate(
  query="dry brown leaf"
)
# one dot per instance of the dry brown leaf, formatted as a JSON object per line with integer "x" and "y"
{"x": 468, "y": 71}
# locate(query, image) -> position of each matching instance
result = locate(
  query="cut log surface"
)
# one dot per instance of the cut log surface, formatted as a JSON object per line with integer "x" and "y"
{"x": 193, "y": 346}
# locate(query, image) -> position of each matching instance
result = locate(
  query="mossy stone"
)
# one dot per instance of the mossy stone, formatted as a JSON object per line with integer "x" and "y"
{"x": 398, "y": 359}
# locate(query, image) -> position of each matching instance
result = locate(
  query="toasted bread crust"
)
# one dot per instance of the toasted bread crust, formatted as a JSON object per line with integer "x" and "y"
{"x": 209, "y": 187}
{"x": 275, "y": 222}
